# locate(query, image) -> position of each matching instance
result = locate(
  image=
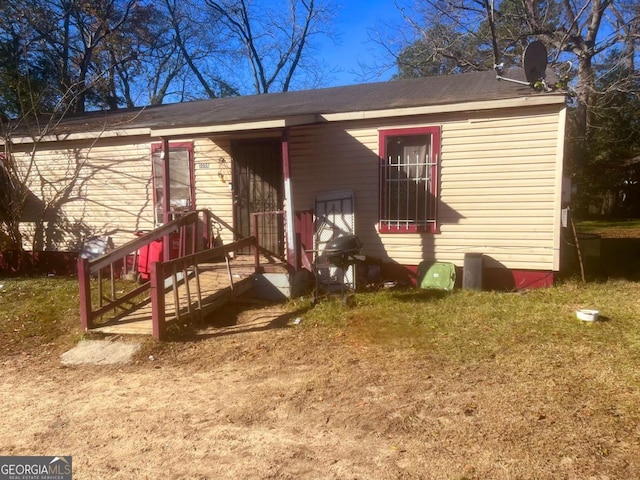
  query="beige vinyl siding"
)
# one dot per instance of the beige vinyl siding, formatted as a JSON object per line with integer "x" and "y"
{"x": 108, "y": 191}
{"x": 498, "y": 179}
{"x": 333, "y": 157}
{"x": 111, "y": 191}
{"x": 499, "y": 185}
{"x": 212, "y": 160}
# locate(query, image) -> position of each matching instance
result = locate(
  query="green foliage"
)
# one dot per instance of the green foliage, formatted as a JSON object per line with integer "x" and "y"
{"x": 456, "y": 37}
{"x": 38, "y": 311}
{"x": 68, "y": 54}
{"x": 64, "y": 56}
{"x": 468, "y": 325}
{"x": 593, "y": 49}
{"x": 610, "y": 175}
{"x": 25, "y": 73}
{"x": 425, "y": 56}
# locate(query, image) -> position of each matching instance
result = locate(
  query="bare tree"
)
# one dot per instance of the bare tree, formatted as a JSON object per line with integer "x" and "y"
{"x": 274, "y": 41}
{"x": 197, "y": 47}
{"x": 594, "y": 43}
{"x": 88, "y": 47}
{"x": 458, "y": 35}
{"x": 590, "y": 31}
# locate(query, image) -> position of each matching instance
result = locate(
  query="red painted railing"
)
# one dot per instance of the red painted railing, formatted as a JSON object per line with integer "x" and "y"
{"x": 296, "y": 256}
{"x": 265, "y": 227}
{"x": 184, "y": 270}
{"x": 195, "y": 233}
{"x": 196, "y": 247}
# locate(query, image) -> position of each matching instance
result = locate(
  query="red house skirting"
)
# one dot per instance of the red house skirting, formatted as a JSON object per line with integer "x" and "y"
{"x": 16, "y": 263}
{"x": 492, "y": 278}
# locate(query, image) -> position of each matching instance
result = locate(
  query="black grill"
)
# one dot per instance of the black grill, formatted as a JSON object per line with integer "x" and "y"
{"x": 343, "y": 251}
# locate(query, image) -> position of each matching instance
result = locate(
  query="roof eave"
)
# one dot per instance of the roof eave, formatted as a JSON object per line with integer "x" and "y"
{"x": 234, "y": 127}
{"x": 294, "y": 120}
{"x": 91, "y": 135}
{"x": 517, "y": 102}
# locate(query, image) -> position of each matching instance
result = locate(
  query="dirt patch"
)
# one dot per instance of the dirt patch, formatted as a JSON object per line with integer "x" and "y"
{"x": 257, "y": 397}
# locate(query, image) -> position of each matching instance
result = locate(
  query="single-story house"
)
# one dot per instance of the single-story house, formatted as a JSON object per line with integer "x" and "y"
{"x": 428, "y": 169}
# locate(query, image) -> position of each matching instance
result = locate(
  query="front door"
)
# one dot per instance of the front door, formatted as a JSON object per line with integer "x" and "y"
{"x": 258, "y": 188}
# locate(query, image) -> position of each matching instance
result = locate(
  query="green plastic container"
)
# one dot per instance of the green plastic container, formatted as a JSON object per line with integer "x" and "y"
{"x": 437, "y": 275}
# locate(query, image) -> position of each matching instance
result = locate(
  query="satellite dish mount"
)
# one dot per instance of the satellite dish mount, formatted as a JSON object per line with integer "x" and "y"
{"x": 534, "y": 62}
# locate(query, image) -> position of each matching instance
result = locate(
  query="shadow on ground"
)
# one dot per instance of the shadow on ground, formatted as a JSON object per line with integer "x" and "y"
{"x": 241, "y": 316}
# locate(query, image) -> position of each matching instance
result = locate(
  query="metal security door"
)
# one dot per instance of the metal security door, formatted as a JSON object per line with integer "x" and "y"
{"x": 258, "y": 188}
{"x": 334, "y": 217}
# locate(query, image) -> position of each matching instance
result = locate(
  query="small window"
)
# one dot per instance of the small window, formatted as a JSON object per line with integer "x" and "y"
{"x": 409, "y": 179}
{"x": 180, "y": 175}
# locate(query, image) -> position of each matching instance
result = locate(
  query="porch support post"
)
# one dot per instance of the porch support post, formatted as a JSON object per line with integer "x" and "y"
{"x": 85, "y": 294}
{"x": 157, "y": 300}
{"x": 288, "y": 196}
{"x": 208, "y": 234}
{"x": 166, "y": 197}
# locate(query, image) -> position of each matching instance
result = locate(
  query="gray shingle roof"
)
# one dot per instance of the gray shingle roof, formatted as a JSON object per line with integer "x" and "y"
{"x": 426, "y": 91}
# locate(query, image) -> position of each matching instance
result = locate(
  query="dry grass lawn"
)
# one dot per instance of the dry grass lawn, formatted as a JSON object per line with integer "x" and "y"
{"x": 403, "y": 385}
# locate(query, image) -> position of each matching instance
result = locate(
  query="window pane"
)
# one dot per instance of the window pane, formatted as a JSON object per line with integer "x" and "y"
{"x": 179, "y": 180}
{"x": 406, "y": 174}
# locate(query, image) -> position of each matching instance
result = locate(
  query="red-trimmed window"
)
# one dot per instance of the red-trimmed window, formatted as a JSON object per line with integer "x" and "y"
{"x": 180, "y": 179}
{"x": 409, "y": 179}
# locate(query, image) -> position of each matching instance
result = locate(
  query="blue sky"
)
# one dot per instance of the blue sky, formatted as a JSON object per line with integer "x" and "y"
{"x": 355, "y": 18}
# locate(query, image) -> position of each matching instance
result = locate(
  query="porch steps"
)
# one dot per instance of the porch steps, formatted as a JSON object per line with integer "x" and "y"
{"x": 218, "y": 286}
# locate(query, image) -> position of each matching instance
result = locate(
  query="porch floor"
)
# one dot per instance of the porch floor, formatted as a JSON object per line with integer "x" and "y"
{"x": 215, "y": 292}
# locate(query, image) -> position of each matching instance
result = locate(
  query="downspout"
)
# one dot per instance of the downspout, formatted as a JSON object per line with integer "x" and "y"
{"x": 288, "y": 198}
{"x": 166, "y": 197}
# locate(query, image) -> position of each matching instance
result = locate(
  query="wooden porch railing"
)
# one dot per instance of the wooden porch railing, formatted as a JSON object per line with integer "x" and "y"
{"x": 185, "y": 271}
{"x": 195, "y": 232}
{"x": 261, "y": 234}
{"x": 97, "y": 278}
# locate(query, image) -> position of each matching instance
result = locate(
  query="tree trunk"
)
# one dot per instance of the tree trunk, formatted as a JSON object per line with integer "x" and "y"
{"x": 584, "y": 96}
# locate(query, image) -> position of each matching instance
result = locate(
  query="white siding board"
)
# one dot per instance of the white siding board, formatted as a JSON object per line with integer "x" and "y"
{"x": 514, "y": 154}
{"x": 468, "y": 131}
{"x": 212, "y": 183}
{"x": 109, "y": 192}
{"x": 473, "y": 170}
{"x": 476, "y": 237}
{"x": 518, "y": 134}
{"x": 117, "y": 191}
{"x": 518, "y": 259}
{"x": 464, "y": 179}
{"x": 531, "y": 145}
{"x": 499, "y": 230}
{"x": 330, "y": 158}
{"x": 496, "y": 163}
{"x": 496, "y": 208}
{"x": 499, "y": 120}
{"x": 461, "y": 195}
{"x": 497, "y": 180}
{"x": 559, "y": 183}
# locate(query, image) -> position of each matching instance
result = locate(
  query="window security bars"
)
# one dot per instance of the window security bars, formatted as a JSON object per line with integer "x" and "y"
{"x": 408, "y": 179}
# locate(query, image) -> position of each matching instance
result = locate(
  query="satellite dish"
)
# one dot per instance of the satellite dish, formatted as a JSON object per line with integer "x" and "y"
{"x": 534, "y": 61}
